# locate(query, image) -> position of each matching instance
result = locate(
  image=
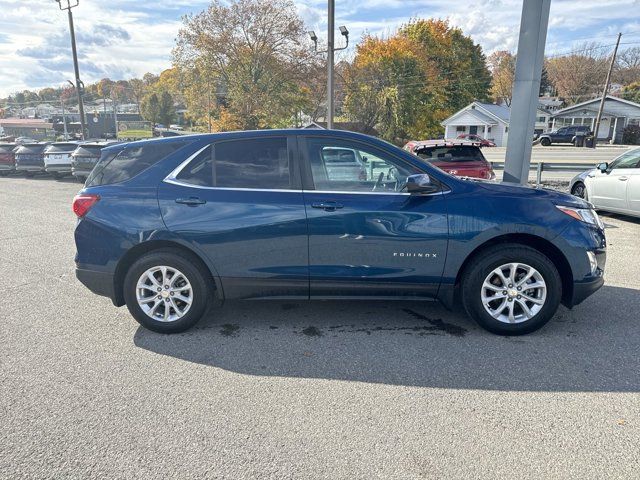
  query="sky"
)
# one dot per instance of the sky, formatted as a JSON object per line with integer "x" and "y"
{"x": 121, "y": 39}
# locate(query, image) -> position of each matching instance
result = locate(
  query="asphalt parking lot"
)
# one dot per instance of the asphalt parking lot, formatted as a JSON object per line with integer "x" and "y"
{"x": 303, "y": 390}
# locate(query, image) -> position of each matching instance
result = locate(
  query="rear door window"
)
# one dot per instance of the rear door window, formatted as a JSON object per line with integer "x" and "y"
{"x": 129, "y": 162}
{"x": 256, "y": 163}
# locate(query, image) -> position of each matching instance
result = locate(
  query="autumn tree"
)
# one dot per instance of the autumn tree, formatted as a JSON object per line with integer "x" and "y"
{"x": 461, "y": 68}
{"x": 252, "y": 57}
{"x": 579, "y": 75}
{"x": 386, "y": 87}
{"x": 627, "y": 69}
{"x": 166, "y": 110}
{"x": 631, "y": 92}
{"x": 503, "y": 68}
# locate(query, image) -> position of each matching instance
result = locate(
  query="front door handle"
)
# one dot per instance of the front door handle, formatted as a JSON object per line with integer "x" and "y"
{"x": 623, "y": 179}
{"x": 191, "y": 201}
{"x": 328, "y": 206}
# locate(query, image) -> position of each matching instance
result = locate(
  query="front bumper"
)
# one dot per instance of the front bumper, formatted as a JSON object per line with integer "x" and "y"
{"x": 582, "y": 290}
{"x": 58, "y": 168}
{"x": 30, "y": 168}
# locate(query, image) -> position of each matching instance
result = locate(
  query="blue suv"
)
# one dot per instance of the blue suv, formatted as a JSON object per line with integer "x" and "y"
{"x": 165, "y": 226}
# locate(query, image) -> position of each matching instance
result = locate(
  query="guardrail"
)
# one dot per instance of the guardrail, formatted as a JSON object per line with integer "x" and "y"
{"x": 541, "y": 167}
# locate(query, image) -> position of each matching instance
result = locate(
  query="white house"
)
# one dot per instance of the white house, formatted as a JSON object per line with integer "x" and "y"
{"x": 485, "y": 119}
{"x": 617, "y": 114}
{"x": 490, "y": 121}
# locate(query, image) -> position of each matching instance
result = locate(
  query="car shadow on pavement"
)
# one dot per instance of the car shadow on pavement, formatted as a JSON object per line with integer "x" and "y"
{"x": 593, "y": 347}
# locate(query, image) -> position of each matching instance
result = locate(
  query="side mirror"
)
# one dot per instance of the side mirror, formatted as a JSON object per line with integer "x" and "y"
{"x": 603, "y": 167}
{"x": 420, "y": 184}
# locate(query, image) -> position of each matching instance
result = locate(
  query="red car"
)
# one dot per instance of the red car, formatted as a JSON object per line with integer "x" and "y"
{"x": 476, "y": 138}
{"x": 461, "y": 158}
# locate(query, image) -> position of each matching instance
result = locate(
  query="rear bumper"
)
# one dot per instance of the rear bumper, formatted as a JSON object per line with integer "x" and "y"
{"x": 30, "y": 168}
{"x": 7, "y": 167}
{"x": 100, "y": 283}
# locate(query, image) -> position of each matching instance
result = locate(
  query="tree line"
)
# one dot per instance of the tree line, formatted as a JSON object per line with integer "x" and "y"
{"x": 248, "y": 64}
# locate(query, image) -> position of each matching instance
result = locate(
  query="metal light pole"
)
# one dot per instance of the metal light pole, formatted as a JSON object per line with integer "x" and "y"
{"x": 68, "y": 5}
{"x": 330, "y": 56}
{"x": 526, "y": 88}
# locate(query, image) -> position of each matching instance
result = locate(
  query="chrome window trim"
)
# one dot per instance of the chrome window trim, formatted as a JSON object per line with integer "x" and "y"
{"x": 172, "y": 179}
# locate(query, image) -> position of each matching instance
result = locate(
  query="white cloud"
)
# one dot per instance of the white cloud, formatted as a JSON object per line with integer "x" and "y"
{"x": 118, "y": 38}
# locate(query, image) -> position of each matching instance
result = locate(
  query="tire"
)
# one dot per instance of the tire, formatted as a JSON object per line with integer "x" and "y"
{"x": 545, "y": 142}
{"x": 579, "y": 190}
{"x": 29, "y": 174}
{"x": 190, "y": 268}
{"x": 481, "y": 270}
{"x": 82, "y": 179}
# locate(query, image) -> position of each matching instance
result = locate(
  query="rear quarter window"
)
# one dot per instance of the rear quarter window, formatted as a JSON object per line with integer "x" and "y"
{"x": 122, "y": 165}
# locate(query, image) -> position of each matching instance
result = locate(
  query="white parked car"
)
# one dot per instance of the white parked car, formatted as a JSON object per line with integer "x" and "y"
{"x": 57, "y": 158}
{"x": 613, "y": 187}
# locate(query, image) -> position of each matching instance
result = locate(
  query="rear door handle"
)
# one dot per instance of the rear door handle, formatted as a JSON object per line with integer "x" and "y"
{"x": 328, "y": 206}
{"x": 623, "y": 179}
{"x": 191, "y": 201}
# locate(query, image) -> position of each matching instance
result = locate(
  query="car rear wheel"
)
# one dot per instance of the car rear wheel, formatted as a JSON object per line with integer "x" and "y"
{"x": 579, "y": 190}
{"x": 545, "y": 142}
{"x": 166, "y": 291}
{"x": 511, "y": 289}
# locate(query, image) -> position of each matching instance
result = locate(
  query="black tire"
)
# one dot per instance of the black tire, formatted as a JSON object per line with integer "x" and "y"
{"x": 82, "y": 179}
{"x": 579, "y": 190}
{"x": 485, "y": 263}
{"x": 190, "y": 267}
{"x": 29, "y": 174}
{"x": 545, "y": 142}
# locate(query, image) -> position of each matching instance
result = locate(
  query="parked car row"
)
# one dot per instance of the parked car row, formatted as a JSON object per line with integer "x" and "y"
{"x": 58, "y": 159}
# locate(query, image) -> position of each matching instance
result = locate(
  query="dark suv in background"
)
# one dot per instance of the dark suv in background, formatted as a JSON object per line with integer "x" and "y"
{"x": 564, "y": 135}
{"x": 7, "y": 158}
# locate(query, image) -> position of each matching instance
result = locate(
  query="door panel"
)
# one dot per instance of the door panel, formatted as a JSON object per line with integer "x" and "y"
{"x": 383, "y": 245}
{"x": 256, "y": 238}
{"x": 366, "y": 236}
{"x": 608, "y": 190}
{"x": 633, "y": 191}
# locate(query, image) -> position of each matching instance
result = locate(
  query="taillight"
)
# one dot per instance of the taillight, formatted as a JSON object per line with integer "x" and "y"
{"x": 83, "y": 202}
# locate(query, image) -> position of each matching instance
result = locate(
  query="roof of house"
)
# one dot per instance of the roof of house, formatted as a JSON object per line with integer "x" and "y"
{"x": 596, "y": 100}
{"x": 487, "y": 113}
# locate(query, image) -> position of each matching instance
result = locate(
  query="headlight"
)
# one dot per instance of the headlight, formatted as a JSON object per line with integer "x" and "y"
{"x": 585, "y": 215}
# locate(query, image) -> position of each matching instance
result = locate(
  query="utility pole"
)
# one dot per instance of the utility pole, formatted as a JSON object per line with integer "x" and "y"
{"x": 526, "y": 89}
{"x": 605, "y": 92}
{"x": 330, "y": 51}
{"x": 330, "y": 58}
{"x": 64, "y": 120}
{"x": 115, "y": 113}
{"x": 79, "y": 85}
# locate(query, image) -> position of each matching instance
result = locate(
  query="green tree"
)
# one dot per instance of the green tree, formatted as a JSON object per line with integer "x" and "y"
{"x": 166, "y": 110}
{"x": 150, "y": 108}
{"x": 632, "y": 92}
{"x": 461, "y": 67}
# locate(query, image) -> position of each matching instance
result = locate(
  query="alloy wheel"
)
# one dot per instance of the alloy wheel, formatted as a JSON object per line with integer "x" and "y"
{"x": 164, "y": 294}
{"x": 514, "y": 293}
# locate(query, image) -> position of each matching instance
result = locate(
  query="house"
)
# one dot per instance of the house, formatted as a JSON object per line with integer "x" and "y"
{"x": 27, "y": 127}
{"x": 485, "y": 119}
{"x": 618, "y": 113}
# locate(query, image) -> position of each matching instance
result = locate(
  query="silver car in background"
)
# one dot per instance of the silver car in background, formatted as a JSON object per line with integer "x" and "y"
{"x": 57, "y": 158}
{"x": 612, "y": 187}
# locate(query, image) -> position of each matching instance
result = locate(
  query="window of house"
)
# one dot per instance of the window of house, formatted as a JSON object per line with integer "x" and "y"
{"x": 460, "y": 128}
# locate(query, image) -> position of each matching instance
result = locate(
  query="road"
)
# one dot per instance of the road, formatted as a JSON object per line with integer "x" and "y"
{"x": 343, "y": 390}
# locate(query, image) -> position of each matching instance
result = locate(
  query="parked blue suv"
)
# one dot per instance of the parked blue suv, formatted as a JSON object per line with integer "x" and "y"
{"x": 164, "y": 226}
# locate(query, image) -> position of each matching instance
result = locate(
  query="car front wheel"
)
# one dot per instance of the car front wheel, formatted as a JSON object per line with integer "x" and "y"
{"x": 511, "y": 289}
{"x": 166, "y": 291}
{"x": 579, "y": 190}
{"x": 545, "y": 142}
